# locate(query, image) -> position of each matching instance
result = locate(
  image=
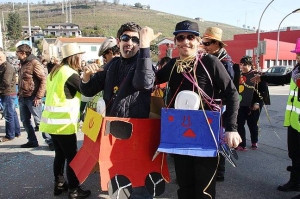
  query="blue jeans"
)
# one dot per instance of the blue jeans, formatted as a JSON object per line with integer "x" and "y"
{"x": 12, "y": 126}
{"x": 47, "y": 138}
{"x": 27, "y": 109}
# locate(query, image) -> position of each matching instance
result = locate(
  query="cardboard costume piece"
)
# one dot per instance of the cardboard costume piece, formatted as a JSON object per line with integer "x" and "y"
{"x": 187, "y": 132}
{"x": 124, "y": 149}
{"x": 246, "y": 94}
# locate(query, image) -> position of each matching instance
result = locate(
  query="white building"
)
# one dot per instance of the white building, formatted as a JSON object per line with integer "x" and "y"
{"x": 90, "y": 45}
{"x": 62, "y": 29}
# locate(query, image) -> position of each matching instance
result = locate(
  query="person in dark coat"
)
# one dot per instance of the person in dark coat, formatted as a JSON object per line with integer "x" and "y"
{"x": 127, "y": 81}
{"x": 250, "y": 114}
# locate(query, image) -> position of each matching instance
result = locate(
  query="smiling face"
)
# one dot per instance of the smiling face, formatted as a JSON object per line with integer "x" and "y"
{"x": 128, "y": 48}
{"x": 187, "y": 44}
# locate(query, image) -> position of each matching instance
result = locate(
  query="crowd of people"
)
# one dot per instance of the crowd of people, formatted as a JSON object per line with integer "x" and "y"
{"x": 55, "y": 94}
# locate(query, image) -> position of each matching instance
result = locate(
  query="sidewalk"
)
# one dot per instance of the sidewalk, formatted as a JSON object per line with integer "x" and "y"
{"x": 27, "y": 173}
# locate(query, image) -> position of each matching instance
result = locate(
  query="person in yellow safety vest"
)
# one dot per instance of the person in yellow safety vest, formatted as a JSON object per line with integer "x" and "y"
{"x": 291, "y": 120}
{"x": 60, "y": 118}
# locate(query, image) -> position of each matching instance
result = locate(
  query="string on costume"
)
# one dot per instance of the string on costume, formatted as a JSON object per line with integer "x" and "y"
{"x": 185, "y": 67}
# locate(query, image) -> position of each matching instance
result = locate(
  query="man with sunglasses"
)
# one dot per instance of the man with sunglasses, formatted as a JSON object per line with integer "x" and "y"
{"x": 109, "y": 49}
{"x": 127, "y": 82}
{"x": 195, "y": 175}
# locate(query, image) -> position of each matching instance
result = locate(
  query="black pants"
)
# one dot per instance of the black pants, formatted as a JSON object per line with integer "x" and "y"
{"x": 65, "y": 147}
{"x": 294, "y": 148}
{"x": 246, "y": 114}
{"x": 193, "y": 175}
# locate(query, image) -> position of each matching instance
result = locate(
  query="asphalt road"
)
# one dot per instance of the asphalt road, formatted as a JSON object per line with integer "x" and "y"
{"x": 27, "y": 173}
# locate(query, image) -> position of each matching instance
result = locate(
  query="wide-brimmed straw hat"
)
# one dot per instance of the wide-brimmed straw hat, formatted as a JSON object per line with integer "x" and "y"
{"x": 71, "y": 49}
{"x": 297, "y": 48}
{"x": 107, "y": 44}
{"x": 214, "y": 33}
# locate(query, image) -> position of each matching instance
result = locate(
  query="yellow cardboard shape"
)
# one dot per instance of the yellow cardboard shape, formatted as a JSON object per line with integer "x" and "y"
{"x": 92, "y": 124}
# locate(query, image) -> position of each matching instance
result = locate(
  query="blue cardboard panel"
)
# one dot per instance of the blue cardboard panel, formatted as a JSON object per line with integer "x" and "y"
{"x": 187, "y": 132}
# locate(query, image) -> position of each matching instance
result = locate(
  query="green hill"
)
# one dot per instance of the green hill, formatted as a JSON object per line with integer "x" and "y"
{"x": 107, "y": 17}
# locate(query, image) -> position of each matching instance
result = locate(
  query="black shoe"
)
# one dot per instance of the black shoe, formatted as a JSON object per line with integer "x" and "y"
{"x": 51, "y": 146}
{"x": 29, "y": 145}
{"x": 289, "y": 186}
{"x": 220, "y": 178}
{"x": 78, "y": 193}
{"x": 36, "y": 128}
{"x": 60, "y": 187}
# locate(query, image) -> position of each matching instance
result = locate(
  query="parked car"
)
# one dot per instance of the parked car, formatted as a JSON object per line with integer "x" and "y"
{"x": 278, "y": 70}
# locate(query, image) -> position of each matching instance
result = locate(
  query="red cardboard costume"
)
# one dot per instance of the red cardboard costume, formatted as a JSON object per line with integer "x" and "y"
{"x": 124, "y": 149}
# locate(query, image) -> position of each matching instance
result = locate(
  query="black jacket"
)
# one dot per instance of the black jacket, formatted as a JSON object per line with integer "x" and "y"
{"x": 222, "y": 86}
{"x": 7, "y": 79}
{"x": 134, "y": 78}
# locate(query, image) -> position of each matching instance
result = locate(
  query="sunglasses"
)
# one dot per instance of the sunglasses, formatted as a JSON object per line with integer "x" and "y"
{"x": 181, "y": 38}
{"x": 126, "y": 38}
{"x": 208, "y": 43}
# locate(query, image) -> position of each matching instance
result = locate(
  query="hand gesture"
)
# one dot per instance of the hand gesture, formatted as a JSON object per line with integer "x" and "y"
{"x": 36, "y": 102}
{"x": 90, "y": 70}
{"x": 146, "y": 36}
{"x": 233, "y": 139}
{"x": 255, "y": 79}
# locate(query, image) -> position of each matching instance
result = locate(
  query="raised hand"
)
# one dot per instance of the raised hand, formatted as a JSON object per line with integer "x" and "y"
{"x": 146, "y": 36}
{"x": 90, "y": 70}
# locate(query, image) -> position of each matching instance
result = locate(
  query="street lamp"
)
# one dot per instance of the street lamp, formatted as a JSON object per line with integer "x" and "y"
{"x": 278, "y": 32}
{"x": 258, "y": 31}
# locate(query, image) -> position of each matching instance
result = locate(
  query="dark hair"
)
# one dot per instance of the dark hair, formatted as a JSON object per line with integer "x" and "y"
{"x": 130, "y": 26}
{"x": 25, "y": 48}
{"x": 164, "y": 60}
{"x": 247, "y": 60}
{"x": 73, "y": 62}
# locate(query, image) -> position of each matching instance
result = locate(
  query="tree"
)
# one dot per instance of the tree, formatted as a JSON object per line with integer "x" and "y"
{"x": 138, "y": 5}
{"x": 116, "y": 2}
{"x": 14, "y": 28}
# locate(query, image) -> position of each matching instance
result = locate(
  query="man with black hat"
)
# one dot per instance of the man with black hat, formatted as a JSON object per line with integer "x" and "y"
{"x": 195, "y": 175}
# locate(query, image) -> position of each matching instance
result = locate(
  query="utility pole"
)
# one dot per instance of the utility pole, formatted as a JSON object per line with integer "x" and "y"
{"x": 1, "y": 41}
{"x": 29, "y": 24}
{"x": 62, "y": 7}
{"x": 70, "y": 18}
{"x": 66, "y": 6}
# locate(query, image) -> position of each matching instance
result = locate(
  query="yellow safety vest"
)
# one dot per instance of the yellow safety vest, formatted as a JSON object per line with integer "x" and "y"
{"x": 60, "y": 115}
{"x": 293, "y": 108}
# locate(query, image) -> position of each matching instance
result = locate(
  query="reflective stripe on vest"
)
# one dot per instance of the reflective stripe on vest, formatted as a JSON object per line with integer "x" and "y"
{"x": 56, "y": 109}
{"x": 292, "y": 108}
{"x": 59, "y": 121}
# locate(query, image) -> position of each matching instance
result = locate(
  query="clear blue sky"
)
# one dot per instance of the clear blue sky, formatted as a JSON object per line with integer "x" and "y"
{"x": 233, "y": 12}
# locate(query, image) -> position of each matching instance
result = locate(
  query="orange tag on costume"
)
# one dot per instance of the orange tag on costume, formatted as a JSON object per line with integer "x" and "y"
{"x": 92, "y": 124}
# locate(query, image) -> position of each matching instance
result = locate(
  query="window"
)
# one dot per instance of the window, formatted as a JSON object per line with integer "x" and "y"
{"x": 53, "y": 26}
{"x": 73, "y": 33}
{"x": 93, "y": 48}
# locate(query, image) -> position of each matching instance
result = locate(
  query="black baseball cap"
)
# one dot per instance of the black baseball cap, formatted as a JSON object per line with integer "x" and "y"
{"x": 187, "y": 26}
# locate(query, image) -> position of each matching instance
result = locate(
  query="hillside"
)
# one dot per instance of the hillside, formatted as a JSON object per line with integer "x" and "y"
{"x": 108, "y": 17}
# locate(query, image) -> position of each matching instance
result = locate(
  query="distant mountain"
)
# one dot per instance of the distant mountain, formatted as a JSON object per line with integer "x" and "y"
{"x": 108, "y": 17}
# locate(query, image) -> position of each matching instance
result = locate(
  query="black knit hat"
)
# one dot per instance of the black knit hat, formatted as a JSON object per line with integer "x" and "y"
{"x": 187, "y": 26}
{"x": 247, "y": 60}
